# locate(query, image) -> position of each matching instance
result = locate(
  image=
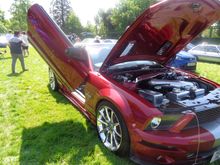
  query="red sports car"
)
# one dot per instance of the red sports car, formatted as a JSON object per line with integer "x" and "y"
{"x": 140, "y": 107}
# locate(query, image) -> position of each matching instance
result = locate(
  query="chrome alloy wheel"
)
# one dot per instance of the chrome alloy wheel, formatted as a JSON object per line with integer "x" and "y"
{"x": 109, "y": 128}
{"x": 52, "y": 80}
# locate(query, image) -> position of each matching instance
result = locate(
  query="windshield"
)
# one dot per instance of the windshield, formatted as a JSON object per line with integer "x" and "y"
{"x": 98, "y": 53}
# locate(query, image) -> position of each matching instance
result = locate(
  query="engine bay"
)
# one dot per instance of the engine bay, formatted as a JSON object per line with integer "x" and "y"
{"x": 169, "y": 90}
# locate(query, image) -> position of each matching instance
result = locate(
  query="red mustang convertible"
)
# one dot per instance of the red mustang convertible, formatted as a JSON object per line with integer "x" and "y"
{"x": 140, "y": 107}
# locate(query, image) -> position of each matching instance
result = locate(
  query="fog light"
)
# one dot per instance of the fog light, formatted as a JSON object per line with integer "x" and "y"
{"x": 155, "y": 122}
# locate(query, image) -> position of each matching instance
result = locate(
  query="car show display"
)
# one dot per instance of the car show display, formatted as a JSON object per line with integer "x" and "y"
{"x": 141, "y": 108}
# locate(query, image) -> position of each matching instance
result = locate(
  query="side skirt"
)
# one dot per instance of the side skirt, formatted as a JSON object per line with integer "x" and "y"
{"x": 78, "y": 99}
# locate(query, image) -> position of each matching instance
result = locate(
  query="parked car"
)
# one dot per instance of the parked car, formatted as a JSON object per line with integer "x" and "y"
{"x": 3, "y": 41}
{"x": 74, "y": 38}
{"x": 210, "y": 53}
{"x": 84, "y": 35}
{"x": 110, "y": 40}
{"x": 3, "y": 44}
{"x": 98, "y": 40}
{"x": 91, "y": 40}
{"x": 139, "y": 107}
{"x": 189, "y": 46}
{"x": 185, "y": 61}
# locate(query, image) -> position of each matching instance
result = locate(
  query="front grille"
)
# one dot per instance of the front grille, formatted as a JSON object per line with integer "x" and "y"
{"x": 205, "y": 117}
{"x": 188, "y": 67}
{"x": 208, "y": 115}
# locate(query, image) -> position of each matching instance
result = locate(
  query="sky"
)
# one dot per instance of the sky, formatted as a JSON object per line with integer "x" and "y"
{"x": 84, "y": 9}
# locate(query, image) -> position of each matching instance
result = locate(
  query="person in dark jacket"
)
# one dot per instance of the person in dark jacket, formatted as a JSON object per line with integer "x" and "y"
{"x": 15, "y": 45}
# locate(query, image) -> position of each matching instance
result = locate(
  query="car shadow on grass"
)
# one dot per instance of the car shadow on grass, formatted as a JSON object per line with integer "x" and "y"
{"x": 58, "y": 96}
{"x": 68, "y": 141}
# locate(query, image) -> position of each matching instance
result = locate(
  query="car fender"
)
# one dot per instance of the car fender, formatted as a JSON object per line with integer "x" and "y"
{"x": 119, "y": 101}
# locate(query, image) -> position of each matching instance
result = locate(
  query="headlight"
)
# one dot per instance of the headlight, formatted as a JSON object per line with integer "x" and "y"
{"x": 155, "y": 122}
{"x": 164, "y": 122}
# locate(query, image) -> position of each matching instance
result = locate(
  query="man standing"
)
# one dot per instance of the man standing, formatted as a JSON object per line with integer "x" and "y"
{"x": 15, "y": 45}
{"x": 25, "y": 45}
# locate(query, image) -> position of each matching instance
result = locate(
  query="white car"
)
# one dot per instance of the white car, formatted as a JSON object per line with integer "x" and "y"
{"x": 210, "y": 53}
{"x": 3, "y": 41}
{"x": 98, "y": 40}
{"x": 3, "y": 44}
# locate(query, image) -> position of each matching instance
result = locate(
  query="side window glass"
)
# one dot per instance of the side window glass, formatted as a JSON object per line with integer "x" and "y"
{"x": 198, "y": 48}
{"x": 211, "y": 49}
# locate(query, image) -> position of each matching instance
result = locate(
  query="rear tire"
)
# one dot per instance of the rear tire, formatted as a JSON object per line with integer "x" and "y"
{"x": 53, "y": 81}
{"x": 111, "y": 129}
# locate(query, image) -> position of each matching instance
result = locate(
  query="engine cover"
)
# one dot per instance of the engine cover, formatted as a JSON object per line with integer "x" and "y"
{"x": 171, "y": 84}
{"x": 154, "y": 97}
{"x": 178, "y": 95}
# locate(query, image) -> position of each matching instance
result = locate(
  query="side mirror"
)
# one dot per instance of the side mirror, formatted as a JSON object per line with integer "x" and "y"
{"x": 78, "y": 53}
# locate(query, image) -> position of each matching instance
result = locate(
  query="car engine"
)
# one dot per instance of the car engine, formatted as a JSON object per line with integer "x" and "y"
{"x": 169, "y": 90}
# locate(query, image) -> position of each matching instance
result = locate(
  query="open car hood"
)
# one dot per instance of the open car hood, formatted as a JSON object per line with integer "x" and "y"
{"x": 163, "y": 30}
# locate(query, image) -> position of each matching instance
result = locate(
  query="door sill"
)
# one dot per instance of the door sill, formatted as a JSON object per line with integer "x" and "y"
{"x": 79, "y": 95}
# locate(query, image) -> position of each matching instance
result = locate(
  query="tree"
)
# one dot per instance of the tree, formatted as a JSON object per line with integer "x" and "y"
{"x": 3, "y": 29}
{"x": 127, "y": 11}
{"x": 2, "y": 16}
{"x": 113, "y": 22}
{"x": 60, "y": 10}
{"x": 18, "y": 11}
{"x": 218, "y": 28}
{"x": 73, "y": 24}
{"x": 89, "y": 28}
{"x": 2, "y": 22}
{"x": 104, "y": 25}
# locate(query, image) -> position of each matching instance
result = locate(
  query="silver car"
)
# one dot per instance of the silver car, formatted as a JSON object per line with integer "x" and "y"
{"x": 210, "y": 53}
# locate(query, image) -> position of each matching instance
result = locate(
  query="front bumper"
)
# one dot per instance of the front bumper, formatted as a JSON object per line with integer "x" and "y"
{"x": 185, "y": 65}
{"x": 188, "y": 68}
{"x": 163, "y": 147}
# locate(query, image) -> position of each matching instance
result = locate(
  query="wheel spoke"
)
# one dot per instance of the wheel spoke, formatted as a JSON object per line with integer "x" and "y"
{"x": 103, "y": 130}
{"x": 102, "y": 122}
{"x": 112, "y": 114}
{"x": 52, "y": 86}
{"x": 103, "y": 115}
{"x": 116, "y": 124}
{"x": 106, "y": 111}
{"x": 115, "y": 140}
{"x": 117, "y": 133}
{"x": 111, "y": 139}
{"x": 52, "y": 80}
{"x": 106, "y": 137}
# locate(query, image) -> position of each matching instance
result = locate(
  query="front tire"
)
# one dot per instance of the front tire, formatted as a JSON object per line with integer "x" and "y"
{"x": 53, "y": 81}
{"x": 111, "y": 129}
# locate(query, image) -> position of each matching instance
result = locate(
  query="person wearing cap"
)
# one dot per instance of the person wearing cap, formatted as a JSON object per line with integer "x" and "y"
{"x": 15, "y": 45}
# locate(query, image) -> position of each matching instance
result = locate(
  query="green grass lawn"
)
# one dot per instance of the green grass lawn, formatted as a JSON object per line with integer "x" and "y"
{"x": 38, "y": 126}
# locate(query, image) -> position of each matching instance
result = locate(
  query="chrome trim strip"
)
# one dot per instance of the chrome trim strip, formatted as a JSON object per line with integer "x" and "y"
{"x": 79, "y": 96}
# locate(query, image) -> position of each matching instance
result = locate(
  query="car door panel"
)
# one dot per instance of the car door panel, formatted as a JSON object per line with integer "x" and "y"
{"x": 51, "y": 43}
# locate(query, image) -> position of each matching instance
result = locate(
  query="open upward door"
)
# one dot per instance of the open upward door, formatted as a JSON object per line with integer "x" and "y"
{"x": 52, "y": 43}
